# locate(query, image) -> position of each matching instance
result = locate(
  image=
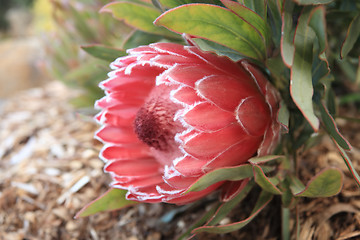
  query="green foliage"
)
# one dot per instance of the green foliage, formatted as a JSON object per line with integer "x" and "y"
{"x": 79, "y": 23}
{"x": 216, "y": 24}
{"x": 113, "y": 199}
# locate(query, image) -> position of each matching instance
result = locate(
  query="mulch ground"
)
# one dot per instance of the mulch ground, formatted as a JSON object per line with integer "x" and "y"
{"x": 49, "y": 169}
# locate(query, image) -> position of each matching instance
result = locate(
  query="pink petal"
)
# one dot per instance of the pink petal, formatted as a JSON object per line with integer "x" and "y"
{"x": 143, "y": 75}
{"x": 115, "y": 120}
{"x": 106, "y": 102}
{"x": 189, "y": 166}
{"x": 219, "y": 63}
{"x": 129, "y": 97}
{"x": 120, "y": 116}
{"x": 125, "y": 152}
{"x": 171, "y": 60}
{"x": 140, "y": 182}
{"x": 225, "y": 91}
{"x": 176, "y": 180}
{"x": 206, "y": 116}
{"x": 170, "y": 48}
{"x": 123, "y": 61}
{"x": 192, "y": 196}
{"x": 147, "y": 194}
{"x": 186, "y": 95}
{"x": 256, "y": 74}
{"x": 271, "y": 139}
{"x": 139, "y": 167}
{"x": 111, "y": 134}
{"x": 188, "y": 75}
{"x": 208, "y": 145}
{"x": 236, "y": 154}
{"x": 254, "y": 115}
{"x": 141, "y": 50}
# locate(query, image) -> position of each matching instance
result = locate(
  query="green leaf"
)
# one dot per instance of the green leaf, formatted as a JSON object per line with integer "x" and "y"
{"x": 263, "y": 200}
{"x": 332, "y": 129}
{"x": 258, "y": 6}
{"x": 318, "y": 24}
{"x": 103, "y": 52}
{"x": 301, "y": 87}
{"x": 327, "y": 183}
{"x": 274, "y": 19}
{"x": 173, "y": 3}
{"x": 348, "y": 163}
{"x": 113, "y": 199}
{"x": 251, "y": 17}
{"x": 267, "y": 184}
{"x": 222, "y": 174}
{"x": 263, "y": 159}
{"x": 216, "y": 24}
{"x": 287, "y": 34}
{"x": 296, "y": 186}
{"x": 352, "y": 35}
{"x": 284, "y": 115}
{"x": 220, "y": 50}
{"x": 137, "y": 15}
{"x": 313, "y": 2}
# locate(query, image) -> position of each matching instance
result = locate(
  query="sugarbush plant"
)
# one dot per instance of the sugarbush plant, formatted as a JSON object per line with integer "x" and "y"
{"x": 210, "y": 96}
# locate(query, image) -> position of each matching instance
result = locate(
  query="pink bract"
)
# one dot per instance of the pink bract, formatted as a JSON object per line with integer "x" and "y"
{"x": 172, "y": 113}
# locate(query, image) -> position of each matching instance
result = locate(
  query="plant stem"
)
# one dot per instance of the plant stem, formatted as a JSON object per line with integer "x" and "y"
{"x": 285, "y": 222}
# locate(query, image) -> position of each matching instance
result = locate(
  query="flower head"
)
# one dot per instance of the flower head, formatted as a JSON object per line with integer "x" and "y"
{"x": 173, "y": 113}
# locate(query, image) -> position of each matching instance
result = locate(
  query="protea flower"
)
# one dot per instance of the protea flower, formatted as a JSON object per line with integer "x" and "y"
{"x": 172, "y": 113}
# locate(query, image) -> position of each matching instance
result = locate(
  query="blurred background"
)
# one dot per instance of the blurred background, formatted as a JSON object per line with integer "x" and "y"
{"x": 20, "y": 44}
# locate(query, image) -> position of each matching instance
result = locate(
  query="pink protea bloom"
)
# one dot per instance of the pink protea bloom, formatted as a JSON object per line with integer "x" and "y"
{"x": 172, "y": 113}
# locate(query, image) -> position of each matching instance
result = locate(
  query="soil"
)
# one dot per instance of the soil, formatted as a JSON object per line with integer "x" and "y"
{"x": 49, "y": 169}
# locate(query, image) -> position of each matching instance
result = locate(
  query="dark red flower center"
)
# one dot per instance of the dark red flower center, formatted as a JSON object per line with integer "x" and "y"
{"x": 154, "y": 122}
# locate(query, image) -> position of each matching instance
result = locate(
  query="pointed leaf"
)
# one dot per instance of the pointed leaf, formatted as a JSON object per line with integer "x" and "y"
{"x": 296, "y": 186}
{"x": 352, "y": 35}
{"x": 267, "y": 184}
{"x": 287, "y": 34}
{"x": 220, "y": 50}
{"x": 113, "y": 199}
{"x": 258, "y": 6}
{"x": 263, "y": 200}
{"x": 313, "y": 2}
{"x": 251, "y": 17}
{"x": 284, "y": 115}
{"x": 332, "y": 129}
{"x": 103, "y": 52}
{"x": 301, "y": 87}
{"x": 274, "y": 19}
{"x": 348, "y": 163}
{"x": 263, "y": 159}
{"x": 137, "y": 15}
{"x": 327, "y": 183}
{"x": 173, "y": 3}
{"x": 216, "y": 24}
{"x": 317, "y": 22}
{"x": 222, "y": 174}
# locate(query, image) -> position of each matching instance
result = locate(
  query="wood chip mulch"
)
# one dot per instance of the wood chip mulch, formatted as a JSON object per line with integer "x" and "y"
{"x": 49, "y": 169}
